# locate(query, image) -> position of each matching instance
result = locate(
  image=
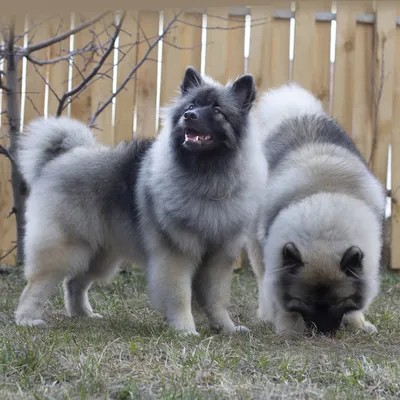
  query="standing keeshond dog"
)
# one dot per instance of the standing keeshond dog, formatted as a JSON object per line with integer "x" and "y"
{"x": 316, "y": 246}
{"x": 180, "y": 205}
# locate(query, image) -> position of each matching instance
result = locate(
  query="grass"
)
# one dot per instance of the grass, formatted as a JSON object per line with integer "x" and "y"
{"x": 131, "y": 353}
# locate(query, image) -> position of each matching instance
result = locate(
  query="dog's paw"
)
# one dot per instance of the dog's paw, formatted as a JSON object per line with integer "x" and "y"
{"x": 369, "y": 328}
{"x": 31, "y": 322}
{"x": 95, "y": 315}
{"x": 189, "y": 333}
{"x": 242, "y": 329}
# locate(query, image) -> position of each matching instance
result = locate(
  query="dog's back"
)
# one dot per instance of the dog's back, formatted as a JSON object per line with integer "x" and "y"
{"x": 308, "y": 153}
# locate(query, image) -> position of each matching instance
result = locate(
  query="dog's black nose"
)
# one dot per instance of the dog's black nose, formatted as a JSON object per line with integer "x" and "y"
{"x": 191, "y": 115}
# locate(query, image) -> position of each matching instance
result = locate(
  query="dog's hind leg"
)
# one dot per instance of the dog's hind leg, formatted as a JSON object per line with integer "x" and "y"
{"x": 76, "y": 288}
{"x": 255, "y": 252}
{"x": 212, "y": 286}
{"x": 76, "y": 296}
{"x": 45, "y": 268}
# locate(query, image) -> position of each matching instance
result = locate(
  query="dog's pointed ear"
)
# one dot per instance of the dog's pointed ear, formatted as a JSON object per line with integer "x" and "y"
{"x": 191, "y": 79}
{"x": 291, "y": 256}
{"x": 351, "y": 263}
{"x": 245, "y": 90}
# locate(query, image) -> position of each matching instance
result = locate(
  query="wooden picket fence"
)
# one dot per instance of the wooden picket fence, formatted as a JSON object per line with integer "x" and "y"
{"x": 361, "y": 88}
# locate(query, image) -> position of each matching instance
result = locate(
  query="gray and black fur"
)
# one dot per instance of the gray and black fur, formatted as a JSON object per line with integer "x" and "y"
{"x": 180, "y": 205}
{"x": 316, "y": 245}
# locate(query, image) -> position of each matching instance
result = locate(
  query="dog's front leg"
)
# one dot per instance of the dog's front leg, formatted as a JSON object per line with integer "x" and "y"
{"x": 170, "y": 283}
{"x": 212, "y": 285}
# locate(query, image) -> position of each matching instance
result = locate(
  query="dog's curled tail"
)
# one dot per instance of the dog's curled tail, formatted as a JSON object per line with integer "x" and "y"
{"x": 46, "y": 139}
{"x": 287, "y": 101}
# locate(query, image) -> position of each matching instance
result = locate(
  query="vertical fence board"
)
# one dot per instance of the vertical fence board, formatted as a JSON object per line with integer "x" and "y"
{"x": 181, "y": 48}
{"x": 259, "y": 64}
{"x": 225, "y": 44}
{"x": 279, "y": 57}
{"x": 235, "y": 46}
{"x": 322, "y": 65}
{"x": 35, "y": 85}
{"x": 216, "y": 48}
{"x": 362, "y": 106}
{"x": 269, "y": 47}
{"x": 81, "y": 105}
{"x": 101, "y": 89}
{"x": 384, "y": 81}
{"x": 395, "y": 237}
{"x": 127, "y": 59}
{"x": 146, "y": 84}
{"x": 344, "y": 63}
{"x": 304, "y": 43}
{"x": 58, "y": 73}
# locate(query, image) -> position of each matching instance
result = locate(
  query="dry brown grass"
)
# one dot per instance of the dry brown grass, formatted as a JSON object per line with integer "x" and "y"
{"x": 131, "y": 353}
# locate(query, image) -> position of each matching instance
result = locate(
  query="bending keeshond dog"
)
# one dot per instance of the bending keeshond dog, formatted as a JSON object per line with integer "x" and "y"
{"x": 180, "y": 205}
{"x": 316, "y": 246}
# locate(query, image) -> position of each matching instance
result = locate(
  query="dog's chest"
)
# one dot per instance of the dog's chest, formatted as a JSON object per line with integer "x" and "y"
{"x": 211, "y": 220}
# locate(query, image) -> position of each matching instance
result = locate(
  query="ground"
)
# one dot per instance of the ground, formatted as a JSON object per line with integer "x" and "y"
{"x": 131, "y": 353}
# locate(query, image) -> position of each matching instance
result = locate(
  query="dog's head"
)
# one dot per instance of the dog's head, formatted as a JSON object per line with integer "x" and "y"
{"x": 208, "y": 118}
{"x": 321, "y": 287}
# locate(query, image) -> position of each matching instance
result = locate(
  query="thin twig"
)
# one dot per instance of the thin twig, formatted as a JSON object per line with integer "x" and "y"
{"x": 222, "y": 28}
{"x": 5, "y": 152}
{"x": 34, "y": 26}
{"x": 124, "y": 54}
{"x": 46, "y": 82}
{"x": 8, "y": 253}
{"x": 144, "y": 35}
{"x": 2, "y": 85}
{"x": 95, "y": 70}
{"x": 65, "y": 35}
{"x": 13, "y": 211}
{"x": 181, "y": 47}
{"x": 128, "y": 78}
{"x": 34, "y": 106}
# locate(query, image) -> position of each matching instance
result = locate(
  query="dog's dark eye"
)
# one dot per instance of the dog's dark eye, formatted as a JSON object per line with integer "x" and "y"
{"x": 191, "y": 107}
{"x": 216, "y": 110}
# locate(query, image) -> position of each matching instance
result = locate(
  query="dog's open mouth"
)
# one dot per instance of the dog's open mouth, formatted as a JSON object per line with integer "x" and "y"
{"x": 193, "y": 138}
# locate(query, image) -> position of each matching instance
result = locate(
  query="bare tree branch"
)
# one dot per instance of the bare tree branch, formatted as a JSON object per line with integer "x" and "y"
{"x": 124, "y": 54}
{"x": 95, "y": 70}
{"x": 130, "y": 75}
{"x": 65, "y": 35}
{"x": 88, "y": 48}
